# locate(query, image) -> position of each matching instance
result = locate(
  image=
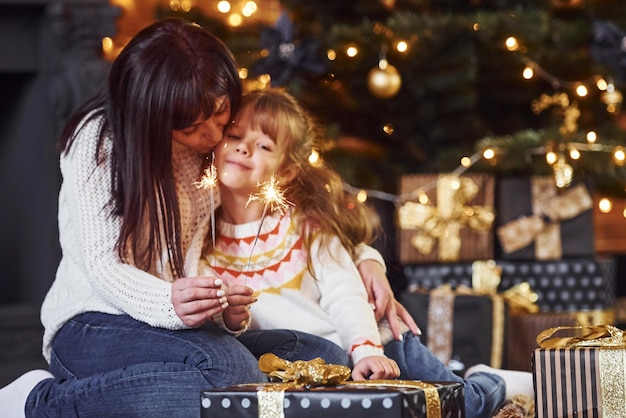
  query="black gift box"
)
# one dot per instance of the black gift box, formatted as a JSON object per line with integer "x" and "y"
{"x": 514, "y": 200}
{"x": 392, "y": 399}
{"x": 471, "y": 344}
{"x": 561, "y": 285}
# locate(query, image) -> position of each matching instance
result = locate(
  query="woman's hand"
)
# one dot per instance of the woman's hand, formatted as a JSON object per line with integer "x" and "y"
{"x": 375, "y": 367}
{"x": 197, "y": 299}
{"x": 382, "y": 298}
{"x": 237, "y": 314}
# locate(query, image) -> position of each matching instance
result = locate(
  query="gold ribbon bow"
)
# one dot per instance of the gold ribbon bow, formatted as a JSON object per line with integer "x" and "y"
{"x": 549, "y": 208}
{"x": 304, "y": 373}
{"x": 444, "y": 222}
{"x": 596, "y": 336}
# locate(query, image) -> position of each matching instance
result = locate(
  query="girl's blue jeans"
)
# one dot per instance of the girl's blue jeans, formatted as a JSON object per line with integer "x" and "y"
{"x": 484, "y": 392}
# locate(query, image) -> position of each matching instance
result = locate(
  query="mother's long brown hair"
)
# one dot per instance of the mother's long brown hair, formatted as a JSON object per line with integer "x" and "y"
{"x": 170, "y": 73}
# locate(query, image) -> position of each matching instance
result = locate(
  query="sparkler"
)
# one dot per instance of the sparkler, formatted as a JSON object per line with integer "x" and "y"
{"x": 209, "y": 181}
{"x": 273, "y": 198}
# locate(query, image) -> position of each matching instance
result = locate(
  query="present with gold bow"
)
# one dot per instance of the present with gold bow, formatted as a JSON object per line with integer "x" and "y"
{"x": 448, "y": 317}
{"x": 536, "y": 220}
{"x": 449, "y": 218}
{"x": 308, "y": 389}
{"x": 527, "y": 326}
{"x": 580, "y": 371}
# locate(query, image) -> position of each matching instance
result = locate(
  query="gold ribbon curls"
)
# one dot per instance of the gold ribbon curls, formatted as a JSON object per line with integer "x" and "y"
{"x": 442, "y": 223}
{"x": 549, "y": 208}
{"x": 306, "y": 373}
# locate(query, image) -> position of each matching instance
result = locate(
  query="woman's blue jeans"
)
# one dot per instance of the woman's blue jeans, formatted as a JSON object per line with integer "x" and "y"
{"x": 114, "y": 366}
{"x": 484, "y": 392}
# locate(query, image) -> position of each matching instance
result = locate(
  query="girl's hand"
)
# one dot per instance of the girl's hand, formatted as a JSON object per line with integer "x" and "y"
{"x": 382, "y": 298}
{"x": 375, "y": 367}
{"x": 197, "y": 299}
{"x": 237, "y": 314}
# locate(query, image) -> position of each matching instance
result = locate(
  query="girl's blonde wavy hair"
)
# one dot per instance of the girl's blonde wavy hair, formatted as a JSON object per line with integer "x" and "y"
{"x": 317, "y": 191}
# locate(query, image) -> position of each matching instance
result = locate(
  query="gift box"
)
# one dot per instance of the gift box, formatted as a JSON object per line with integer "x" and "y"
{"x": 538, "y": 221}
{"x": 449, "y": 326}
{"x": 582, "y": 375}
{"x": 368, "y": 399}
{"x": 580, "y": 284}
{"x": 446, "y": 218}
{"x": 521, "y": 343}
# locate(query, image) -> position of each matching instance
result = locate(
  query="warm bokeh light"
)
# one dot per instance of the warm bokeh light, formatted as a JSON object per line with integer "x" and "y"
{"x": 601, "y": 84}
{"x": 605, "y": 205}
{"x": 314, "y": 158}
{"x": 551, "y": 157}
{"x": 223, "y": 6}
{"x": 619, "y": 155}
{"x": 488, "y": 154}
{"x": 352, "y": 51}
{"x": 581, "y": 90}
{"x": 249, "y": 9}
{"x": 361, "y": 196}
{"x": 574, "y": 153}
{"x": 511, "y": 43}
{"x": 402, "y": 46}
{"x": 235, "y": 19}
{"x": 243, "y": 73}
{"x": 466, "y": 162}
{"x": 592, "y": 137}
{"x": 423, "y": 198}
{"x": 528, "y": 72}
{"x": 388, "y": 128}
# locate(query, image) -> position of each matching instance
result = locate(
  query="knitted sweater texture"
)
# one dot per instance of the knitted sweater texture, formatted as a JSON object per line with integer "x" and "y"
{"x": 331, "y": 302}
{"x": 90, "y": 276}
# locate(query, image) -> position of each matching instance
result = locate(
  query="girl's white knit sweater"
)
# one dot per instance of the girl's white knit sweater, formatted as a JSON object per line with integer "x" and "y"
{"x": 331, "y": 302}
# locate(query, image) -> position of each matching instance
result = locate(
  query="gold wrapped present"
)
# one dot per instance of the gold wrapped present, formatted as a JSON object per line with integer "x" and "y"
{"x": 447, "y": 218}
{"x": 552, "y": 227}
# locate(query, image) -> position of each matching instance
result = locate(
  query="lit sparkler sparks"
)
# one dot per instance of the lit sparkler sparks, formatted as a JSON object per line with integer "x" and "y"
{"x": 272, "y": 196}
{"x": 209, "y": 181}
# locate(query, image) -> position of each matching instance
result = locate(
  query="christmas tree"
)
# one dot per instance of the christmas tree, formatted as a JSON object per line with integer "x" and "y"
{"x": 410, "y": 86}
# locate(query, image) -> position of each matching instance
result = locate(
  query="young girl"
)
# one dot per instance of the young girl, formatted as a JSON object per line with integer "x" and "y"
{"x": 298, "y": 258}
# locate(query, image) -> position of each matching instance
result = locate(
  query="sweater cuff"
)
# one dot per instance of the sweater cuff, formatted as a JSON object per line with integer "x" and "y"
{"x": 365, "y": 252}
{"x": 218, "y": 319}
{"x": 366, "y": 349}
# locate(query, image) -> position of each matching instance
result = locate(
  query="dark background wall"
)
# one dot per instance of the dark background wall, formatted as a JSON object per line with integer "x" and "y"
{"x": 50, "y": 62}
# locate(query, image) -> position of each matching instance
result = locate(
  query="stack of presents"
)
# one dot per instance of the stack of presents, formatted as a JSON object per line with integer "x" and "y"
{"x": 501, "y": 271}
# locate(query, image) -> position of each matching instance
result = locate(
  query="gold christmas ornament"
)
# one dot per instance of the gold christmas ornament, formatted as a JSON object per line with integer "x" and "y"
{"x": 384, "y": 81}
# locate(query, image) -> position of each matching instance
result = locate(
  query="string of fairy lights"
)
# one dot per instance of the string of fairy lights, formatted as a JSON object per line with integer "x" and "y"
{"x": 554, "y": 154}
{"x": 384, "y": 81}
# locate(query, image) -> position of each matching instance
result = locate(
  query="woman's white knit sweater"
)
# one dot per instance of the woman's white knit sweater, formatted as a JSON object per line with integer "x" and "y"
{"x": 90, "y": 276}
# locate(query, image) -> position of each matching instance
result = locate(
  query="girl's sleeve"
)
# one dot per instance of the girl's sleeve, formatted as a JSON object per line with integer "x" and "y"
{"x": 364, "y": 252}
{"x": 344, "y": 298}
{"x": 124, "y": 287}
